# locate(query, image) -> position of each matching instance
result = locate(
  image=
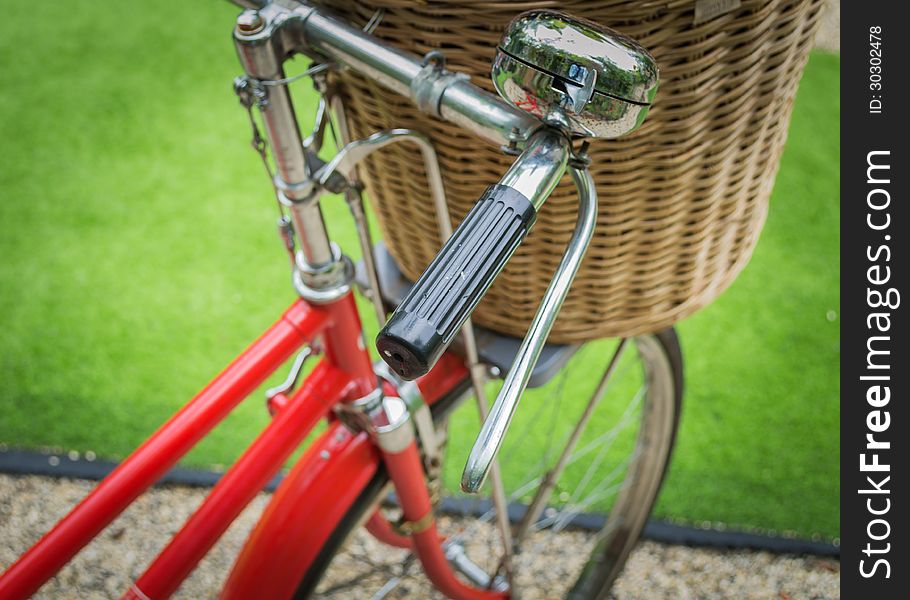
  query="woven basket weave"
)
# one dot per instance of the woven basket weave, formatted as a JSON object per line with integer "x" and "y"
{"x": 682, "y": 200}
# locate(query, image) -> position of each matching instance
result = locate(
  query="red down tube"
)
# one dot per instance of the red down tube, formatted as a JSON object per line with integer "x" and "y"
{"x": 311, "y": 501}
{"x": 241, "y": 483}
{"x": 159, "y": 453}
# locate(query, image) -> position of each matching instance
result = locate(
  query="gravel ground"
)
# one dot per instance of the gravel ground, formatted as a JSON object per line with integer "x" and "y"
{"x": 30, "y": 505}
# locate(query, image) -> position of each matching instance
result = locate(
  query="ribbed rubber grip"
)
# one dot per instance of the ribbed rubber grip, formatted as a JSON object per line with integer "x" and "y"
{"x": 435, "y": 309}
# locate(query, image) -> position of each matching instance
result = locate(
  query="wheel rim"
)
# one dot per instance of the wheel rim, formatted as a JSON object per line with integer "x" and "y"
{"x": 653, "y": 446}
{"x": 616, "y": 470}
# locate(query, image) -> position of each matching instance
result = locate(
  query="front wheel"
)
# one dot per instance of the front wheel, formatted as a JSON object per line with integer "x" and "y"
{"x": 591, "y": 446}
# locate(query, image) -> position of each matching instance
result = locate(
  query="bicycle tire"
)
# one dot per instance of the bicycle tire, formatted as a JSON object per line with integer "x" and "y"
{"x": 613, "y": 550}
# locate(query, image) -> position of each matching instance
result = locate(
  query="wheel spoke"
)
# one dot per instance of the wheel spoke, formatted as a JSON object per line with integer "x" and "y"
{"x": 533, "y": 478}
{"x": 614, "y": 434}
{"x": 604, "y": 490}
{"x": 548, "y": 481}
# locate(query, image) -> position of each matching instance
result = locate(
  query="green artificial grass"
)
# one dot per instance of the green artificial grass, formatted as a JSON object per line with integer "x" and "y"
{"x": 139, "y": 256}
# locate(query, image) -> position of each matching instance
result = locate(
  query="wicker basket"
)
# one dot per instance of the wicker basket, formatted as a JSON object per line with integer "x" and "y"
{"x": 682, "y": 200}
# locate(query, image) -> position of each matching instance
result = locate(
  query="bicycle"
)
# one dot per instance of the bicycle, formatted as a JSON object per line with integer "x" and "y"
{"x": 387, "y": 421}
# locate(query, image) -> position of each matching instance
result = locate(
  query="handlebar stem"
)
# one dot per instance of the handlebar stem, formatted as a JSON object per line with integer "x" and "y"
{"x": 292, "y": 26}
{"x": 261, "y": 55}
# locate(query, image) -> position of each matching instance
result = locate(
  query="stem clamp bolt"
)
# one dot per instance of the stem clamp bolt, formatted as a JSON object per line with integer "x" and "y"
{"x": 250, "y": 22}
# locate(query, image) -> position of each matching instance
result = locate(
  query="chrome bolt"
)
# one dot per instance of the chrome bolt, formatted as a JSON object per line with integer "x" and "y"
{"x": 250, "y": 22}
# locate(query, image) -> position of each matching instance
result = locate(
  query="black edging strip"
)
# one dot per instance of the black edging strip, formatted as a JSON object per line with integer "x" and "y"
{"x": 661, "y": 531}
{"x": 25, "y": 462}
{"x": 51, "y": 464}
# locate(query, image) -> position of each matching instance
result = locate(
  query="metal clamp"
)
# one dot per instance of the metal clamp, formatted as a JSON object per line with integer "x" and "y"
{"x": 357, "y": 415}
{"x": 430, "y": 83}
{"x": 423, "y": 419}
{"x": 391, "y": 426}
{"x": 323, "y": 284}
{"x": 250, "y": 91}
{"x": 409, "y": 528}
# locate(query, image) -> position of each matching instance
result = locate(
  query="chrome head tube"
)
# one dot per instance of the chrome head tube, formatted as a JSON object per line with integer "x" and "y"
{"x": 266, "y": 35}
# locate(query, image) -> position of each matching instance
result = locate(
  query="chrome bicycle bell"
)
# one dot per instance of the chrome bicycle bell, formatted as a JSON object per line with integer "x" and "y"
{"x": 575, "y": 74}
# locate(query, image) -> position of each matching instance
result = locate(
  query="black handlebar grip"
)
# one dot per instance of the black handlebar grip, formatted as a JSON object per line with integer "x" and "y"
{"x": 435, "y": 309}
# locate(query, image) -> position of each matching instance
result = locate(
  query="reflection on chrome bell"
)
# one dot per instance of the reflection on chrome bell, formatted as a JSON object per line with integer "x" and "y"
{"x": 575, "y": 74}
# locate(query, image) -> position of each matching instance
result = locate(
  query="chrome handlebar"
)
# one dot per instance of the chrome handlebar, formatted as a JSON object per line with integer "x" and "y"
{"x": 440, "y": 302}
{"x": 269, "y": 32}
{"x": 497, "y": 423}
{"x": 305, "y": 29}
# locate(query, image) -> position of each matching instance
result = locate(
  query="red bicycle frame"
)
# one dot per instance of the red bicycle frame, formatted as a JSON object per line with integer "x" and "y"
{"x": 324, "y": 484}
{"x": 310, "y": 502}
